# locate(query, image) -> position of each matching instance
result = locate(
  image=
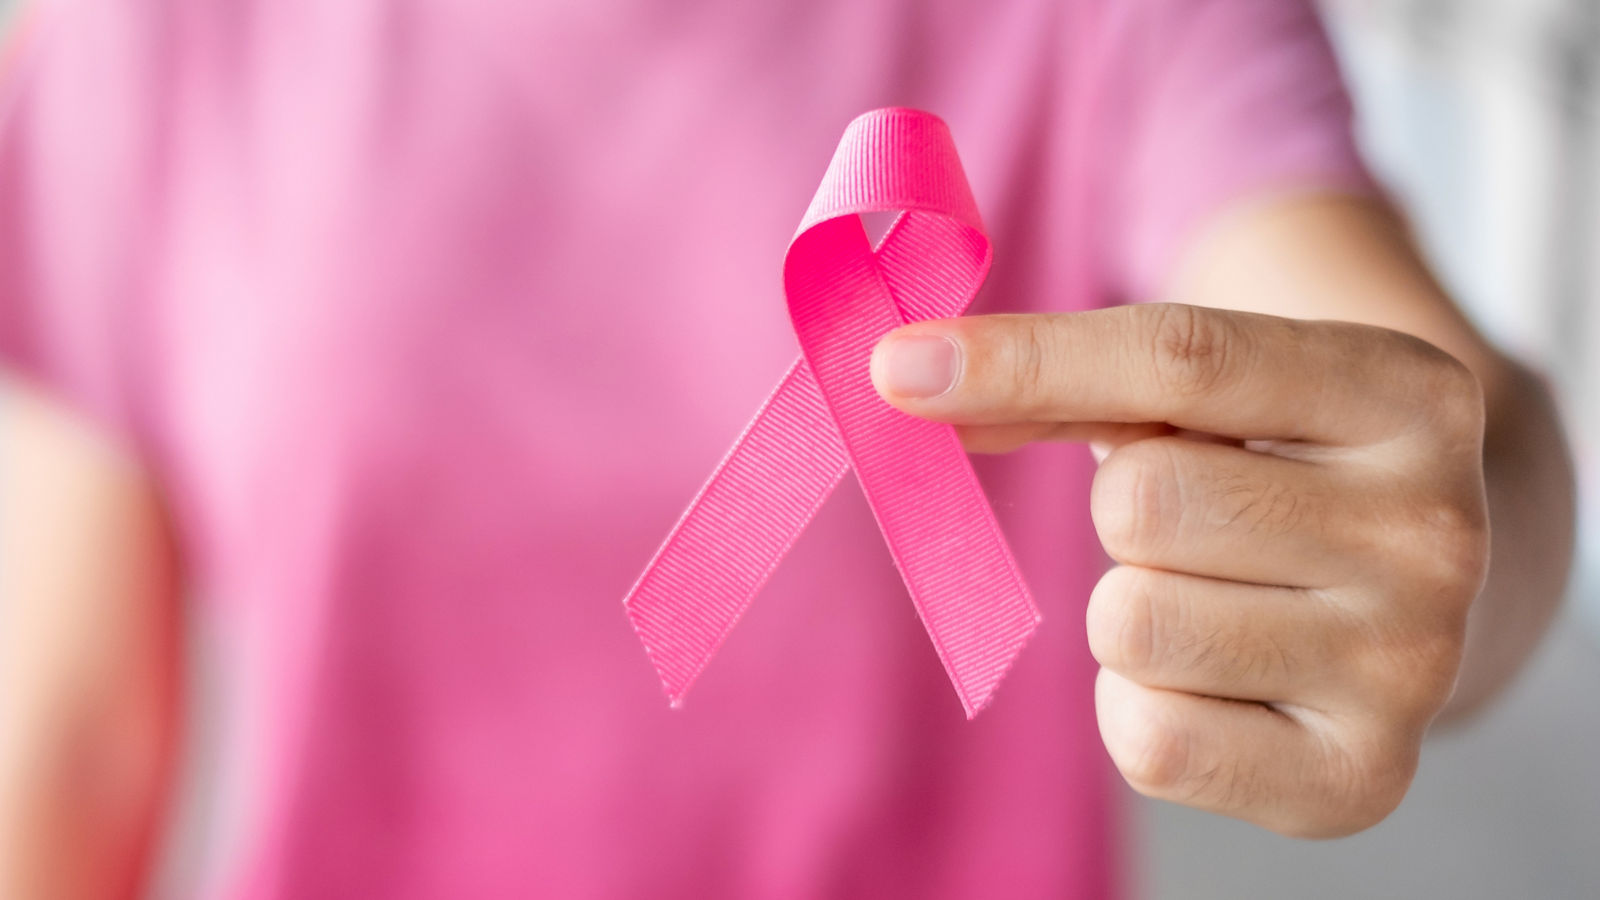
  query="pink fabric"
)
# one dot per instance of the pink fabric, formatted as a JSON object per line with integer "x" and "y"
{"x": 844, "y": 296}
{"x": 430, "y": 316}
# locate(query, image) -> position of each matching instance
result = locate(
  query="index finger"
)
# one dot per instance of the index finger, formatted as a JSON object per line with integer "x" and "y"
{"x": 1242, "y": 375}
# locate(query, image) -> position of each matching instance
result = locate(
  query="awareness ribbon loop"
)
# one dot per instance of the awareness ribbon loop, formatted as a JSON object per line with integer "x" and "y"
{"x": 825, "y": 418}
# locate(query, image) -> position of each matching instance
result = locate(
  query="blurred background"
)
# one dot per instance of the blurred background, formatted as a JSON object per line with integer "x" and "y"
{"x": 1484, "y": 117}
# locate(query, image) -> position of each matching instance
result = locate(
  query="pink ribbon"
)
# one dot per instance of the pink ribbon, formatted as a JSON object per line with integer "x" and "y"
{"x": 824, "y": 417}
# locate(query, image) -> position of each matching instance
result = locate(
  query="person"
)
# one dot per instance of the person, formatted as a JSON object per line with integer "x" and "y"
{"x": 389, "y": 338}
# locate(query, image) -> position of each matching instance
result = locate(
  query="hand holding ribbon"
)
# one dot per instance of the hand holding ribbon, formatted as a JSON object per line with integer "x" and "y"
{"x": 825, "y": 417}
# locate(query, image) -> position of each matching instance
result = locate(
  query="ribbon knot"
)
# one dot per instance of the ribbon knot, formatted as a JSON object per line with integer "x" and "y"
{"x": 825, "y": 418}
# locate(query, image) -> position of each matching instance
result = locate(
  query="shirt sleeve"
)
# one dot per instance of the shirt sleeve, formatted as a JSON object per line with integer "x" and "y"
{"x": 74, "y": 189}
{"x": 1227, "y": 101}
{"x": 15, "y": 42}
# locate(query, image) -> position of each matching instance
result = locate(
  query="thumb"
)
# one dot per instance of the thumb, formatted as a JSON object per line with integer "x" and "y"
{"x": 983, "y": 370}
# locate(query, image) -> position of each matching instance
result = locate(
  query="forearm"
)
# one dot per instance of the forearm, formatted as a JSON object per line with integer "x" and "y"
{"x": 78, "y": 814}
{"x": 88, "y": 659}
{"x": 1530, "y": 485}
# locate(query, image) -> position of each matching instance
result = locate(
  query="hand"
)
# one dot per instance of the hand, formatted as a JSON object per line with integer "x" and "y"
{"x": 1297, "y": 510}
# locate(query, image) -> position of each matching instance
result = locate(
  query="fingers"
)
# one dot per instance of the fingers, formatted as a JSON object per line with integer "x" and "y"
{"x": 1247, "y": 760}
{"x": 1241, "y": 375}
{"x": 1226, "y": 512}
{"x": 1303, "y": 651}
{"x": 1202, "y": 636}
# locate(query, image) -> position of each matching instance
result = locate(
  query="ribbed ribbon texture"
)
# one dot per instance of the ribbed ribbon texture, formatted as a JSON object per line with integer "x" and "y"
{"x": 824, "y": 418}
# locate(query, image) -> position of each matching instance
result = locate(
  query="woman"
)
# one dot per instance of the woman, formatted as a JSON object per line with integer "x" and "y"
{"x": 391, "y": 338}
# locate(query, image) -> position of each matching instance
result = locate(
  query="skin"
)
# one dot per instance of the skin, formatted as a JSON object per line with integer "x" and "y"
{"x": 1299, "y": 509}
{"x": 89, "y": 657}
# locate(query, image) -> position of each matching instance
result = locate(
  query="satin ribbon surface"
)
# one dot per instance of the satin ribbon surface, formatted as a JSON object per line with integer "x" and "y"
{"x": 824, "y": 418}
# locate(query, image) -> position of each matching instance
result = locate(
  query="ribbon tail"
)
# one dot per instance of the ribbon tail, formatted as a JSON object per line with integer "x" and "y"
{"x": 736, "y": 531}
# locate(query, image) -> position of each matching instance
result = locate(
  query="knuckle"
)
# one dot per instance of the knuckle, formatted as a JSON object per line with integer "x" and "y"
{"x": 1224, "y": 784}
{"x": 1459, "y": 396}
{"x": 1154, "y": 758}
{"x": 1162, "y": 761}
{"x": 1254, "y": 506}
{"x": 1121, "y": 625}
{"x": 1191, "y": 349}
{"x": 1351, "y": 775}
{"x": 1136, "y": 500}
{"x": 1368, "y": 784}
{"x": 1447, "y": 390}
{"x": 1270, "y": 661}
{"x": 1460, "y": 539}
{"x": 1414, "y": 673}
{"x": 1445, "y": 547}
{"x": 1437, "y": 665}
{"x": 1029, "y": 347}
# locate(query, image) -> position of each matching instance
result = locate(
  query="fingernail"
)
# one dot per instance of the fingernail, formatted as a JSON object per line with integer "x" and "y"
{"x": 920, "y": 365}
{"x": 1099, "y": 451}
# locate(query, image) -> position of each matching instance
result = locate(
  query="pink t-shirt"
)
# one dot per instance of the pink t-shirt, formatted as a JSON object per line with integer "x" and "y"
{"x": 432, "y": 315}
